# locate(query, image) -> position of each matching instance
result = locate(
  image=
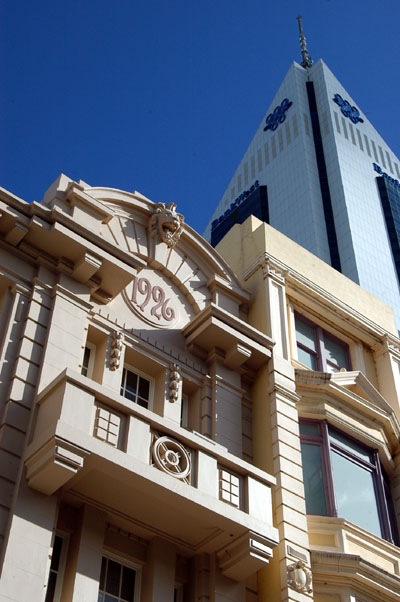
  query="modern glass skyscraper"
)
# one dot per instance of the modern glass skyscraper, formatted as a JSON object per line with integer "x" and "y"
{"x": 328, "y": 180}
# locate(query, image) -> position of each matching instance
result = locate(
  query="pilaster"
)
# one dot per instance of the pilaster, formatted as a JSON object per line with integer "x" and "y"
{"x": 387, "y": 361}
{"x": 83, "y": 566}
{"x": 159, "y": 573}
{"x": 66, "y": 338}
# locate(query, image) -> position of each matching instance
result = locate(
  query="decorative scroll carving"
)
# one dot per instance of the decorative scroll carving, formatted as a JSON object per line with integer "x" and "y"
{"x": 299, "y": 577}
{"x": 165, "y": 224}
{"x": 116, "y": 349}
{"x": 175, "y": 380}
{"x": 171, "y": 457}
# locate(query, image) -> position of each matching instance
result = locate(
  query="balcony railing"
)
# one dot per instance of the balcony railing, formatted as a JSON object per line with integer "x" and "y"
{"x": 102, "y": 448}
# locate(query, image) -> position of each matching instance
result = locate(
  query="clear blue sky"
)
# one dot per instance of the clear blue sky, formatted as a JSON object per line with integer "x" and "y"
{"x": 164, "y": 96}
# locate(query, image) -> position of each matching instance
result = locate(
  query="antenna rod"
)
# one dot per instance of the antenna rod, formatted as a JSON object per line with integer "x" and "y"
{"x": 307, "y": 59}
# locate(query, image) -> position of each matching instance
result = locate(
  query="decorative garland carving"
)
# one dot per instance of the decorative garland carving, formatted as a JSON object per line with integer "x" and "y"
{"x": 175, "y": 379}
{"x": 165, "y": 224}
{"x": 171, "y": 457}
{"x": 116, "y": 349}
{"x": 300, "y": 577}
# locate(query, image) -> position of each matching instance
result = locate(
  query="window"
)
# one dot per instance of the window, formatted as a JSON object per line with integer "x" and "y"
{"x": 229, "y": 488}
{"x": 118, "y": 582}
{"x": 344, "y": 478}
{"x": 88, "y": 360}
{"x": 318, "y": 349}
{"x": 185, "y": 411}
{"x": 136, "y": 387}
{"x": 107, "y": 426}
{"x": 54, "y": 584}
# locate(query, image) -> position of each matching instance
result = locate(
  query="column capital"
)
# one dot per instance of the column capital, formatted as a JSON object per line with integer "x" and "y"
{"x": 271, "y": 267}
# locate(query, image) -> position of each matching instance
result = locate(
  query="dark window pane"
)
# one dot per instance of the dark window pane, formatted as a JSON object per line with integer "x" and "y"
{"x": 128, "y": 583}
{"x": 55, "y": 557}
{"x": 103, "y": 572}
{"x": 51, "y": 587}
{"x": 335, "y": 352}
{"x": 108, "y": 598}
{"x": 355, "y": 494}
{"x": 313, "y": 479}
{"x": 306, "y": 358}
{"x": 113, "y": 577}
{"x": 309, "y": 428}
{"x": 305, "y": 334}
{"x": 144, "y": 388}
{"x": 349, "y": 445}
{"x": 85, "y": 364}
{"x": 131, "y": 382}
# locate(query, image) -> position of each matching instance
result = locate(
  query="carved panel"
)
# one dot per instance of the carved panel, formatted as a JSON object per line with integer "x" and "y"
{"x": 157, "y": 301}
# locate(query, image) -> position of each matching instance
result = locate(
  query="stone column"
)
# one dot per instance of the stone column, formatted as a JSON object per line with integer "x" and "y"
{"x": 159, "y": 573}
{"x": 83, "y": 566}
{"x": 26, "y": 515}
{"x": 277, "y": 442}
{"x": 226, "y": 396}
{"x": 67, "y": 330}
{"x": 387, "y": 362}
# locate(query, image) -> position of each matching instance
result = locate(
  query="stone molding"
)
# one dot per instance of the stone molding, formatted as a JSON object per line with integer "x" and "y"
{"x": 175, "y": 379}
{"x": 117, "y": 340}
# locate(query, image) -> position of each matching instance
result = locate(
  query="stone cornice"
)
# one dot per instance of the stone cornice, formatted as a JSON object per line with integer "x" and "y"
{"x": 270, "y": 266}
{"x": 341, "y": 568}
{"x": 313, "y": 297}
{"x": 375, "y": 407}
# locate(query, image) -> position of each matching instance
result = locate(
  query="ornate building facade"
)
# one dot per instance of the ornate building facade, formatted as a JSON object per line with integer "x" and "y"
{"x": 177, "y": 429}
{"x": 126, "y": 456}
{"x": 325, "y": 422}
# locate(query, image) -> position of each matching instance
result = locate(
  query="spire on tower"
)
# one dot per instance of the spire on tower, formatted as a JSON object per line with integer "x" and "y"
{"x": 307, "y": 59}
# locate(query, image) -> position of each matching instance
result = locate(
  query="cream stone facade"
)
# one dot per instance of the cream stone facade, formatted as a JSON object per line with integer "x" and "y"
{"x": 126, "y": 431}
{"x": 159, "y": 410}
{"x": 329, "y": 413}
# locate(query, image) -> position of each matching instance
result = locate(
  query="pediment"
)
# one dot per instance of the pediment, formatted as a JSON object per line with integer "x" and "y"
{"x": 190, "y": 264}
{"x": 352, "y": 390}
{"x": 140, "y": 234}
{"x": 343, "y": 383}
{"x": 359, "y": 384}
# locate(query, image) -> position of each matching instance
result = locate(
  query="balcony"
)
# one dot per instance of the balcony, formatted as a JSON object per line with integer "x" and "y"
{"x": 150, "y": 475}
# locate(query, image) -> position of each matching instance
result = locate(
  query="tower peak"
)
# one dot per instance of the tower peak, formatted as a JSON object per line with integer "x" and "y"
{"x": 307, "y": 59}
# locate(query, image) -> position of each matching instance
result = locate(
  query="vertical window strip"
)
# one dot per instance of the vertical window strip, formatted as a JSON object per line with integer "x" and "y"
{"x": 280, "y": 140}
{"x": 252, "y": 167}
{"x": 337, "y": 122}
{"x": 359, "y": 139}
{"x": 345, "y": 129}
{"x": 288, "y": 135}
{"x": 325, "y": 123}
{"x": 295, "y": 126}
{"x": 306, "y": 124}
{"x": 397, "y": 170}
{"x": 367, "y": 145}
{"x": 266, "y": 154}
{"x": 389, "y": 161}
{"x": 382, "y": 157}
{"x": 374, "y": 151}
{"x": 232, "y": 193}
{"x": 352, "y": 134}
{"x": 259, "y": 160}
{"x": 246, "y": 173}
{"x": 239, "y": 181}
{"x": 273, "y": 147}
